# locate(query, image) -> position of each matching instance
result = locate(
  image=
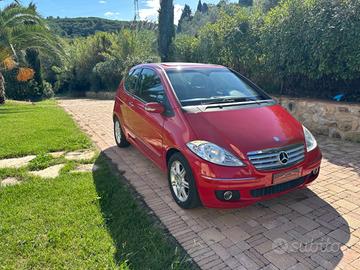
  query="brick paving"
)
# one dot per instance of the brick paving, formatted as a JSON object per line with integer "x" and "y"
{"x": 314, "y": 228}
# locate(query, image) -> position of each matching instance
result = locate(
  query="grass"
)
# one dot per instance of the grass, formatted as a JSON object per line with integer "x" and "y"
{"x": 30, "y": 129}
{"x": 78, "y": 220}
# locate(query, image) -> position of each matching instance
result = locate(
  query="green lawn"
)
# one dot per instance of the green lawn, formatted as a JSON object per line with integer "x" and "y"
{"x": 78, "y": 220}
{"x": 31, "y": 129}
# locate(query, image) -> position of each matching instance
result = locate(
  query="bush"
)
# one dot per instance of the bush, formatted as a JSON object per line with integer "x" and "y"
{"x": 302, "y": 48}
{"x": 98, "y": 62}
{"x": 27, "y": 90}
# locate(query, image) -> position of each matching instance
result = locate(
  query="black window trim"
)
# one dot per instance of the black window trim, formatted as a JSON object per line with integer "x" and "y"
{"x": 168, "y": 109}
{"x": 137, "y": 81}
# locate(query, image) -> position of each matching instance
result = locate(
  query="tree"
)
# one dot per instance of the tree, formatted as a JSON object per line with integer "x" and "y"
{"x": 166, "y": 28}
{"x": 185, "y": 16}
{"x": 22, "y": 28}
{"x": 266, "y": 5}
{"x": 33, "y": 60}
{"x": 205, "y": 8}
{"x": 245, "y": 3}
{"x": 199, "y": 6}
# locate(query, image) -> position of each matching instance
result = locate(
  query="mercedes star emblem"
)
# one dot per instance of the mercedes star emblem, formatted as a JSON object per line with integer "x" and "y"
{"x": 283, "y": 157}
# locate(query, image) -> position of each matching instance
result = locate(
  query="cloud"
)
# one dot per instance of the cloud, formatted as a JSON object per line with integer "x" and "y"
{"x": 111, "y": 14}
{"x": 150, "y": 11}
{"x": 102, "y": 1}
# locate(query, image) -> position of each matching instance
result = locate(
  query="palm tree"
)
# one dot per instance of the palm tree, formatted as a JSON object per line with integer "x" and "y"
{"x": 21, "y": 28}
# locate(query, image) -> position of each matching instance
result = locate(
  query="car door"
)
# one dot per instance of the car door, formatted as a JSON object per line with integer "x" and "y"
{"x": 148, "y": 126}
{"x": 127, "y": 98}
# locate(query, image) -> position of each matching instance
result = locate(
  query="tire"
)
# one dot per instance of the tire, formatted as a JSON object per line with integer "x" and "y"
{"x": 178, "y": 164}
{"x": 119, "y": 134}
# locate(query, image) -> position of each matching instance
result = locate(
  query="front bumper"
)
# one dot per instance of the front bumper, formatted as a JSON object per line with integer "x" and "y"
{"x": 250, "y": 184}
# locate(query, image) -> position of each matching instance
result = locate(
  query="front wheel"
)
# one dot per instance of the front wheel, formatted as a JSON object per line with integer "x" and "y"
{"x": 182, "y": 182}
{"x": 119, "y": 135}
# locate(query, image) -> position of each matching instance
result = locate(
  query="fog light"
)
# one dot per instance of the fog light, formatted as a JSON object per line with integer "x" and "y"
{"x": 228, "y": 195}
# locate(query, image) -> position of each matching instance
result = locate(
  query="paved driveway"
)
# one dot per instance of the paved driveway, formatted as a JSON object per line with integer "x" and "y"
{"x": 312, "y": 228}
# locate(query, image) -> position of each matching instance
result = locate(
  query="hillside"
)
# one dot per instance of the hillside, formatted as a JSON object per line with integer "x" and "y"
{"x": 74, "y": 27}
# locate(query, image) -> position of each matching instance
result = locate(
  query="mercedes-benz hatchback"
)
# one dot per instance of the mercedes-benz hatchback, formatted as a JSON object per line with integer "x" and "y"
{"x": 222, "y": 141}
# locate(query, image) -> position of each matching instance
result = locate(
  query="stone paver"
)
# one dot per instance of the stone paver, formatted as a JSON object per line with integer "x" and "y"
{"x": 50, "y": 172}
{"x": 57, "y": 154}
{"x": 9, "y": 181}
{"x": 314, "y": 228}
{"x": 16, "y": 162}
{"x": 85, "y": 168}
{"x": 80, "y": 155}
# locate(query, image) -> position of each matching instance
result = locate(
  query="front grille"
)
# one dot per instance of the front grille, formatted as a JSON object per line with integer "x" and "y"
{"x": 277, "y": 188}
{"x": 269, "y": 159}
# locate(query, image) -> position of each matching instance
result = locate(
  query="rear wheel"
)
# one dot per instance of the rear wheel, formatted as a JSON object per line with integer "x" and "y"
{"x": 182, "y": 182}
{"x": 119, "y": 135}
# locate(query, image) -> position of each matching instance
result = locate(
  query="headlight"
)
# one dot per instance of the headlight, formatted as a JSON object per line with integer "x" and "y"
{"x": 213, "y": 153}
{"x": 309, "y": 140}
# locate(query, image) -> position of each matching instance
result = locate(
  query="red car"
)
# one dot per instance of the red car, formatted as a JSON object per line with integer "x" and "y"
{"x": 222, "y": 140}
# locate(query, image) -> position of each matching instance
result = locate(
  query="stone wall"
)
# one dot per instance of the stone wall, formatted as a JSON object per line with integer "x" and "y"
{"x": 333, "y": 119}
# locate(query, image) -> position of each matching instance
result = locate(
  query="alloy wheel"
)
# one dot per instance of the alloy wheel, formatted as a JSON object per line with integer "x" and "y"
{"x": 178, "y": 182}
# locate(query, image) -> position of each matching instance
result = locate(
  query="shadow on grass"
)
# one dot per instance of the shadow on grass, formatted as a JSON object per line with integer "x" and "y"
{"x": 138, "y": 236}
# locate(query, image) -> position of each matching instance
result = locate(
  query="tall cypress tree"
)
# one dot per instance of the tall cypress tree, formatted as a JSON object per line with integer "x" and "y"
{"x": 199, "y": 6}
{"x": 166, "y": 28}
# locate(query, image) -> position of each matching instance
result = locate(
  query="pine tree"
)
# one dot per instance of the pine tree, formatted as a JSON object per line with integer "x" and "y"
{"x": 166, "y": 28}
{"x": 185, "y": 16}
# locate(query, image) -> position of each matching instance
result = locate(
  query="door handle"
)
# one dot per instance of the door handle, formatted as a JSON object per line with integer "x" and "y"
{"x": 131, "y": 104}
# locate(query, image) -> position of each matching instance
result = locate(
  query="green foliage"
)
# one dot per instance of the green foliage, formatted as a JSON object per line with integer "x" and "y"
{"x": 83, "y": 27}
{"x": 99, "y": 62}
{"x": 186, "y": 48}
{"x": 185, "y": 16}
{"x": 29, "y": 90}
{"x": 33, "y": 61}
{"x": 304, "y": 48}
{"x": 245, "y": 3}
{"x": 192, "y": 25}
{"x": 25, "y": 38}
{"x": 166, "y": 29}
{"x": 266, "y": 5}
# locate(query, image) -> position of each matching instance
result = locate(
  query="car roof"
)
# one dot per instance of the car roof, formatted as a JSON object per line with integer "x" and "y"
{"x": 172, "y": 65}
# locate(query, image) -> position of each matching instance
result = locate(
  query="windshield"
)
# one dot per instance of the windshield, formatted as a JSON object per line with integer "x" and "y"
{"x": 201, "y": 86}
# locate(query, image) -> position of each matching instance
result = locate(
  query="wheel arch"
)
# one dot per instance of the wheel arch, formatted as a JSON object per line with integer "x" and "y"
{"x": 170, "y": 152}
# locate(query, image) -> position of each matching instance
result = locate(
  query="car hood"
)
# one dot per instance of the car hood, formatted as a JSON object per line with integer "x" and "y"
{"x": 246, "y": 129}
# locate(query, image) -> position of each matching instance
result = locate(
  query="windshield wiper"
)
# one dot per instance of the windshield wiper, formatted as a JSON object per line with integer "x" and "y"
{"x": 229, "y": 100}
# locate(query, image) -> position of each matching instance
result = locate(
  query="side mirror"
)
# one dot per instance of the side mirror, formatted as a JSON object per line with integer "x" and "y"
{"x": 154, "y": 107}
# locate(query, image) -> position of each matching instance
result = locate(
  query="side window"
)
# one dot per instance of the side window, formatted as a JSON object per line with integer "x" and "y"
{"x": 151, "y": 89}
{"x": 131, "y": 81}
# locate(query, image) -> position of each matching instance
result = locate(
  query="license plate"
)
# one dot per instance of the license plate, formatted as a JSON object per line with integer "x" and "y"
{"x": 286, "y": 176}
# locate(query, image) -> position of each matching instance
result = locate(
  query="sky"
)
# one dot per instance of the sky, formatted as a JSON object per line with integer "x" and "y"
{"x": 110, "y": 9}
